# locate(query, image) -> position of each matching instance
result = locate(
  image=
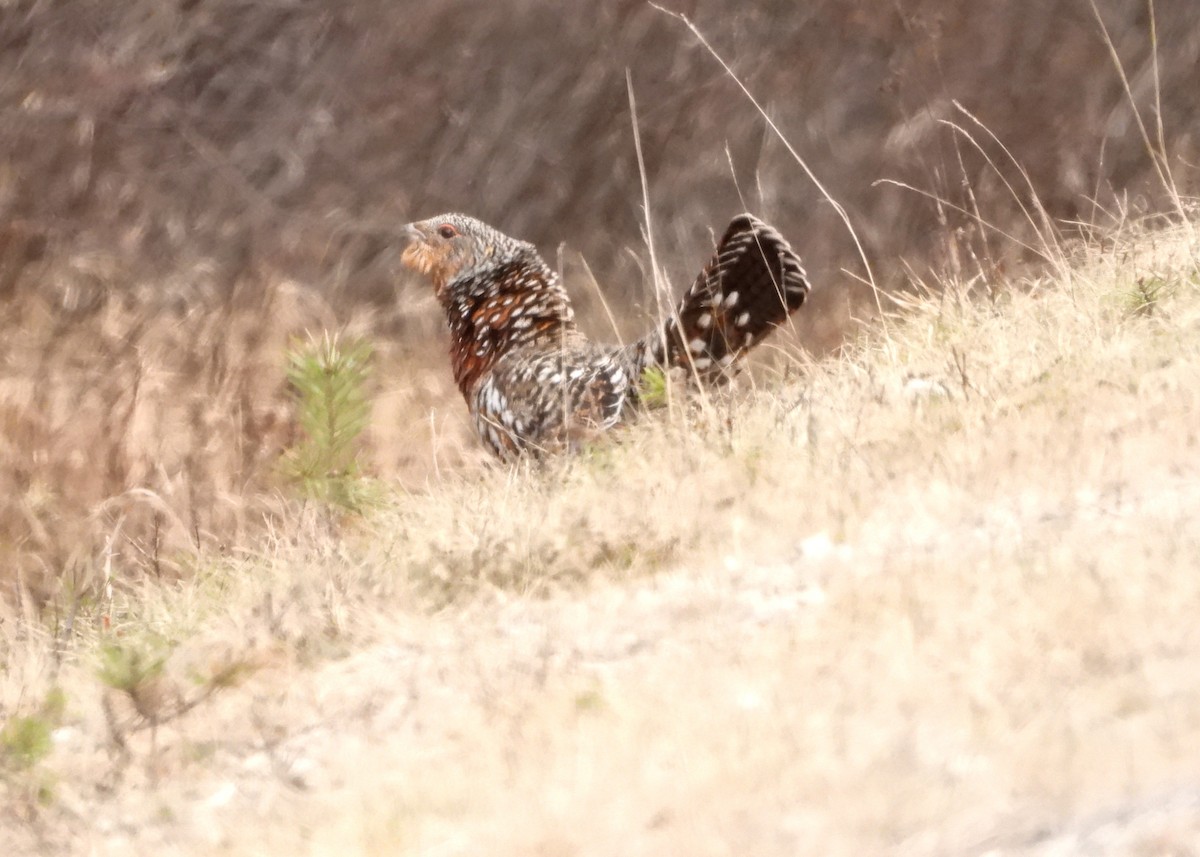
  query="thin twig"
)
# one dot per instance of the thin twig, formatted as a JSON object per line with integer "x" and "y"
{"x": 1156, "y": 157}
{"x": 1022, "y": 244}
{"x": 837, "y": 206}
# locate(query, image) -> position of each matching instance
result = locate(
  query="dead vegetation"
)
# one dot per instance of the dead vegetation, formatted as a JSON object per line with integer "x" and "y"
{"x": 929, "y": 593}
{"x": 185, "y": 189}
{"x": 932, "y": 596}
{"x": 133, "y": 439}
{"x": 296, "y": 135}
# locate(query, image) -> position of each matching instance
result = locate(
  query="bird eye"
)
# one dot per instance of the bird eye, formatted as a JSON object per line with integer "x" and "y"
{"x": 447, "y": 231}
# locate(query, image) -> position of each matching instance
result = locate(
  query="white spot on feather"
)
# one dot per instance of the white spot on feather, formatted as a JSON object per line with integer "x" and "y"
{"x": 697, "y": 346}
{"x": 704, "y": 321}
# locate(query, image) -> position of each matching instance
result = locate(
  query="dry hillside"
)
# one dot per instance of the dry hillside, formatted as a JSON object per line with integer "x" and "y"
{"x": 186, "y": 187}
{"x": 934, "y": 596}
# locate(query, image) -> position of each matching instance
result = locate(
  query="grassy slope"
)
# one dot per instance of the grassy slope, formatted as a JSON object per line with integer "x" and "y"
{"x": 936, "y": 596}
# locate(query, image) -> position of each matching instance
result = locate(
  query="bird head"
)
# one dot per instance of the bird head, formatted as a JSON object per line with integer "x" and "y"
{"x": 446, "y": 246}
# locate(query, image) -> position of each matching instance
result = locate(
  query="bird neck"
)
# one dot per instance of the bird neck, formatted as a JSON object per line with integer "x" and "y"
{"x": 511, "y": 304}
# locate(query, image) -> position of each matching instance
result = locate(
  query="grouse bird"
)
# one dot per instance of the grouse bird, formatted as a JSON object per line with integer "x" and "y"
{"x": 533, "y": 382}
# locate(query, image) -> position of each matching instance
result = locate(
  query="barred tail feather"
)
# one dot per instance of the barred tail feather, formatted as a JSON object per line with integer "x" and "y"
{"x": 750, "y": 287}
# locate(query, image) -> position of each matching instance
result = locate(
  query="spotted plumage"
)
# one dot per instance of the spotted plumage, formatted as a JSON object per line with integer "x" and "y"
{"x": 533, "y": 382}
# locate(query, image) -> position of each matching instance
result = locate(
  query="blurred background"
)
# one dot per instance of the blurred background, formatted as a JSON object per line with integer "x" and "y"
{"x": 236, "y": 135}
{"x": 185, "y": 185}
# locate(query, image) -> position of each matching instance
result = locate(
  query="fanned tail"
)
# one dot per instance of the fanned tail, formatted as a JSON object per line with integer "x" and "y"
{"x": 752, "y": 284}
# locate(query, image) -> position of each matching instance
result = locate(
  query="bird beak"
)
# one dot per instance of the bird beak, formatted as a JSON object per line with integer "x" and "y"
{"x": 416, "y": 254}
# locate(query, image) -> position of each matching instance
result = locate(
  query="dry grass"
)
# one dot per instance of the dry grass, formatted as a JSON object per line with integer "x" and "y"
{"x": 131, "y": 431}
{"x": 139, "y": 435}
{"x": 937, "y": 595}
